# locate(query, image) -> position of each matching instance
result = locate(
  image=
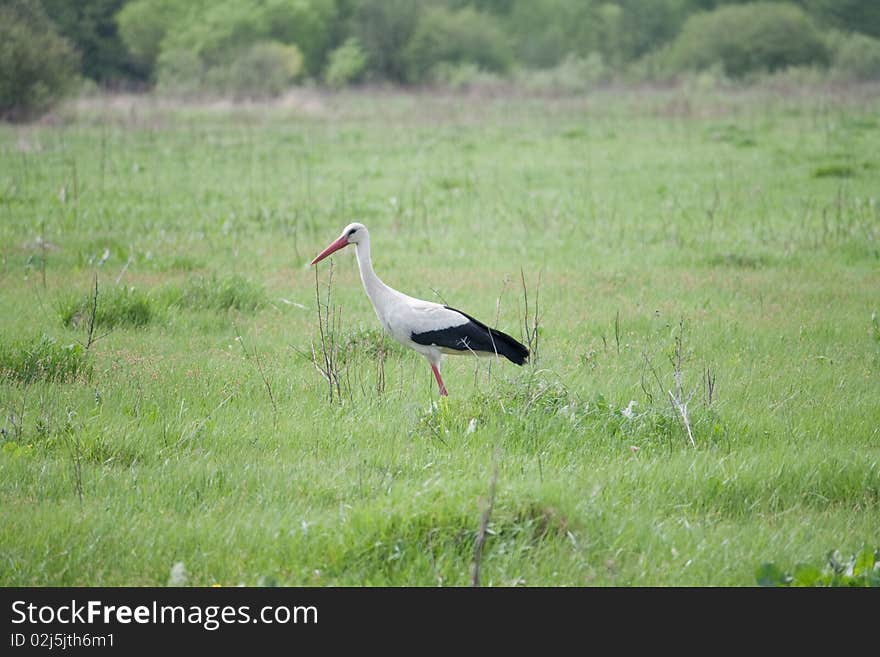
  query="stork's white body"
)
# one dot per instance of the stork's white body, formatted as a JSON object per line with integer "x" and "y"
{"x": 402, "y": 315}
{"x": 429, "y": 328}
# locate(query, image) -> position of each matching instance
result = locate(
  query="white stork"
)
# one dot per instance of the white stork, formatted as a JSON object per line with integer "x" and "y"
{"x": 430, "y": 328}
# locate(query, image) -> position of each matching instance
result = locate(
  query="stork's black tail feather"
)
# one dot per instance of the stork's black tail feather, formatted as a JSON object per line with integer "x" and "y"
{"x": 513, "y": 350}
{"x": 499, "y": 342}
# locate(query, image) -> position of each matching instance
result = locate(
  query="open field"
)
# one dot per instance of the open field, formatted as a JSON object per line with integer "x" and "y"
{"x": 733, "y": 238}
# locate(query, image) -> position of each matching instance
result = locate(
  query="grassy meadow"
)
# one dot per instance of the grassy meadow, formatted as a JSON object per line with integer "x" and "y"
{"x": 721, "y": 249}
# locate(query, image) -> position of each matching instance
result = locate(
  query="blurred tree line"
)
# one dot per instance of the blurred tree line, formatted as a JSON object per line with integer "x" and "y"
{"x": 261, "y": 47}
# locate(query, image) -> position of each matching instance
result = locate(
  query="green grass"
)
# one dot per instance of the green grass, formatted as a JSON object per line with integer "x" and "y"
{"x": 738, "y": 231}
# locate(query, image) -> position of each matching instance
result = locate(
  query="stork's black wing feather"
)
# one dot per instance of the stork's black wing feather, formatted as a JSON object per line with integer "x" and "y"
{"x": 474, "y": 336}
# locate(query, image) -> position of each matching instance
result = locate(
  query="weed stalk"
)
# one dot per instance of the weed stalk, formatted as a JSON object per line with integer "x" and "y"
{"x": 254, "y": 356}
{"x": 328, "y": 362}
{"x": 484, "y": 524}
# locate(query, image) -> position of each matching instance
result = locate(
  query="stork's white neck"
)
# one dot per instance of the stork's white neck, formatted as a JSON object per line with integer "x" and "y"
{"x": 379, "y": 293}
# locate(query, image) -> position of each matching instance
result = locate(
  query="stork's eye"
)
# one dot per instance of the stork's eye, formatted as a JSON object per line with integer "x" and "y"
{"x": 351, "y": 232}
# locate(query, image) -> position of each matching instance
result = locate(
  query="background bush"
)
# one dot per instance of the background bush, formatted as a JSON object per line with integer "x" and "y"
{"x": 574, "y": 74}
{"x": 91, "y": 25}
{"x": 456, "y": 37}
{"x": 180, "y": 72}
{"x": 142, "y": 26}
{"x": 263, "y": 70}
{"x": 266, "y": 69}
{"x": 346, "y": 64}
{"x": 857, "y": 57}
{"x": 37, "y": 65}
{"x": 307, "y": 24}
{"x": 546, "y": 31}
{"x": 847, "y": 15}
{"x": 219, "y": 33}
{"x": 384, "y": 28}
{"x": 764, "y": 36}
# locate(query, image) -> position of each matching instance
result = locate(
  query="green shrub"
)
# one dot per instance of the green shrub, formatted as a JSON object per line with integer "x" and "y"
{"x": 858, "y": 570}
{"x": 346, "y": 64}
{"x": 464, "y": 76}
{"x": 857, "y": 57}
{"x": 224, "y": 35}
{"x": 42, "y": 360}
{"x": 850, "y": 15}
{"x": 181, "y": 72}
{"x": 545, "y": 31}
{"x": 574, "y": 74}
{"x": 91, "y": 26}
{"x": 383, "y": 28}
{"x": 37, "y": 66}
{"x": 266, "y": 69}
{"x": 308, "y": 24}
{"x": 465, "y": 36}
{"x": 755, "y": 37}
{"x": 217, "y": 34}
{"x": 142, "y": 25}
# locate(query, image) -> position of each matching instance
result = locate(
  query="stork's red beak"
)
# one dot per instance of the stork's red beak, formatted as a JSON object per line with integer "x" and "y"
{"x": 334, "y": 246}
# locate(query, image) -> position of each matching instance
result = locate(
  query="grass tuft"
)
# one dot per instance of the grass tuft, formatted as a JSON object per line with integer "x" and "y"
{"x": 733, "y": 135}
{"x": 117, "y": 307}
{"x": 442, "y": 540}
{"x": 740, "y": 260}
{"x": 370, "y": 343}
{"x": 43, "y": 359}
{"x": 834, "y": 171}
{"x": 219, "y": 293}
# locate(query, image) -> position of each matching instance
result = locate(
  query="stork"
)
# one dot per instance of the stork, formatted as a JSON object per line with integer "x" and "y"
{"x": 429, "y": 328}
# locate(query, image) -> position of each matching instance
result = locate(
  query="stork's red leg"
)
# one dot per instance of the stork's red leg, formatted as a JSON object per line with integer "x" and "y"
{"x": 443, "y": 392}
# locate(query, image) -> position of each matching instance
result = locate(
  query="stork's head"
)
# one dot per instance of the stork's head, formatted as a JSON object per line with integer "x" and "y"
{"x": 351, "y": 234}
